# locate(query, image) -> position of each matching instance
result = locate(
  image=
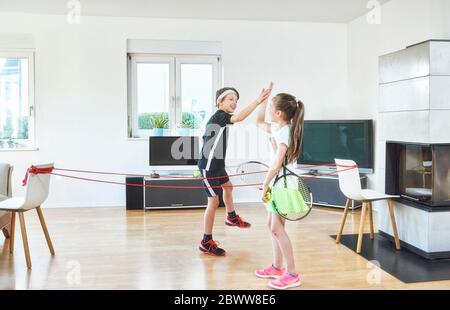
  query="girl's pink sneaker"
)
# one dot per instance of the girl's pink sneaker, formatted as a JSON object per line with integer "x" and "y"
{"x": 285, "y": 281}
{"x": 269, "y": 272}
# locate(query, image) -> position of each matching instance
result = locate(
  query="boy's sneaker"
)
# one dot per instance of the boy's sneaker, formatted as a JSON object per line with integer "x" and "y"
{"x": 211, "y": 248}
{"x": 269, "y": 272}
{"x": 285, "y": 281}
{"x": 238, "y": 222}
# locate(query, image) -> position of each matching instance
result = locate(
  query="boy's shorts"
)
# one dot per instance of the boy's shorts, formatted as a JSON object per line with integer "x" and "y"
{"x": 213, "y": 183}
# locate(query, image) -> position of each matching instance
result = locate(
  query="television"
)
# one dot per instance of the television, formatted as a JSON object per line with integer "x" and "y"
{"x": 174, "y": 152}
{"x": 323, "y": 141}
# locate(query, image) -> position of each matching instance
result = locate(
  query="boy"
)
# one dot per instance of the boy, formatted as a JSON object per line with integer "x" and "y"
{"x": 212, "y": 163}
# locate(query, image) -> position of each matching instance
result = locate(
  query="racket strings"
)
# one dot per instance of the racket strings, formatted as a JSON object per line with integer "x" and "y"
{"x": 291, "y": 197}
{"x": 297, "y": 195}
{"x": 304, "y": 191}
{"x": 252, "y": 172}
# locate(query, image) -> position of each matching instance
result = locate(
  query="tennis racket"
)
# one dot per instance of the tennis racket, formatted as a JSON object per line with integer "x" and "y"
{"x": 289, "y": 195}
{"x": 252, "y": 172}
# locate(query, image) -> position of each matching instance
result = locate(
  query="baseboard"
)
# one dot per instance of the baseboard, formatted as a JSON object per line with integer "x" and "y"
{"x": 84, "y": 205}
{"x": 427, "y": 255}
{"x": 112, "y": 204}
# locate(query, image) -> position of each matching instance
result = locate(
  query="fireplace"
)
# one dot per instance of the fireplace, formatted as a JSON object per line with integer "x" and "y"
{"x": 413, "y": 136}
{"x": 419, "y": 174}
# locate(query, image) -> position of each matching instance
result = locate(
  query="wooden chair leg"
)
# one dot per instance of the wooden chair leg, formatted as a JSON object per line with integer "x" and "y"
{"x": 6, "y": 231}
{"x": 25, "y": 239}
{"x": 44, "y": 228}
{"x": 12, "y": 233}
{"x": 372, "y": 232}
{"x": 361, "y": 228}
{"x": 344, "y": 217}
{"x": 394, "y": 225}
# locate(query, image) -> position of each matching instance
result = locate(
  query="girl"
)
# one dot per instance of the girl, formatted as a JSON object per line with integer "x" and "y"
{"x": 288, "y": 113}
{"x": 212, "y": 163}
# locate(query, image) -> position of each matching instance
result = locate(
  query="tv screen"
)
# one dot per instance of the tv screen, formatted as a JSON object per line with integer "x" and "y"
{"x": 323, "y": 141}
{"x": 174, "y": 151}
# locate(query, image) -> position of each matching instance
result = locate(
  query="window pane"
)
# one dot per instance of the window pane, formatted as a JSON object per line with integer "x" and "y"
{"x": 153, "y": 95}
{"x": 14, "y": 102}
{"x": 196, "y": 94}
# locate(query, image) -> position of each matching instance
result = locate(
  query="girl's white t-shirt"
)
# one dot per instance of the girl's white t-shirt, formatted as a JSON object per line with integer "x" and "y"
{"x": 281, "y": 136}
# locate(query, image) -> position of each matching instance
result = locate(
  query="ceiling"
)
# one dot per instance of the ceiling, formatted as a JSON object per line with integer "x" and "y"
{"x": 328, "y": 11}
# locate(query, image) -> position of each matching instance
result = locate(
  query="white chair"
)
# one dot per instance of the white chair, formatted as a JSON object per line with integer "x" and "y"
{"x": 350, "y": 185}
{"x": 36, "y": 194}
{"x": 5, "y": 193}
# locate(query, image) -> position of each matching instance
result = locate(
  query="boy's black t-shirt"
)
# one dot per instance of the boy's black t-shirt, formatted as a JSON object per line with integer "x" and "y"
{"x": 212, "y": 156}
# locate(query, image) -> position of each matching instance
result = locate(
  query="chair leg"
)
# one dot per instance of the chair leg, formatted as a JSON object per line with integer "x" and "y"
{"x": 344, "y": 217}
{"x": 361, "y": 228}
{"x": 372, "y": 232}
{"x": 44, "y": 228}
{"x": 6, "y": 231}
{"x": 12, "y": 232}
{"x": 25, "y": 239}
{"x": 394, "y": 225}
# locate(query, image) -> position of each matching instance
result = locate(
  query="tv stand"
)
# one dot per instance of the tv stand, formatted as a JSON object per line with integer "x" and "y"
{"x": 144, "y": 197}
{"x": 313, "y": 172}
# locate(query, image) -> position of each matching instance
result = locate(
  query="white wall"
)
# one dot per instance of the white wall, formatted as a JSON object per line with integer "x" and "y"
{"x": 81, "y": 98}
{"x": 403, "y": 23}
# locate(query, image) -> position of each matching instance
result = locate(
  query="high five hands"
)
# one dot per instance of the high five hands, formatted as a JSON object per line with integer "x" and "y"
{"x": 265, "y": 93}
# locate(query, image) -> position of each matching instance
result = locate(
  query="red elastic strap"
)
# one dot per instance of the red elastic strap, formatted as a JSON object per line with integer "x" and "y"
{"x": 36, "y": 170}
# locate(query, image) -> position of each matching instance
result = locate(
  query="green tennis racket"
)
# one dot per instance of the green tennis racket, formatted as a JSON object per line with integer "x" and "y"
{"x": 289, "y": 196}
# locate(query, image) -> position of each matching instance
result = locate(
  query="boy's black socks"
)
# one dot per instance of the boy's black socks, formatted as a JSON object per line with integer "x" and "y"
{"x": 206, "y": 238}
{"x": 232, "y": 215}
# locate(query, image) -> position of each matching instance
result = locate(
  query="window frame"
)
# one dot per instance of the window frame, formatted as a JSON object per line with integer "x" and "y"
{"x": 133, "y": 115}
{"x": 29, "y": 54}
{"x": 175, "y": 105}
{"x": 214, "y": 61}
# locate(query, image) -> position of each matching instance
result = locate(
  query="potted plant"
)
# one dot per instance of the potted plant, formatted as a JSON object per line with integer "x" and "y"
{"x": 145, "y": 121}
{"x": 188, "y": 123}
{"x": 185, "y": 128}
{"x": 159, "y": 123}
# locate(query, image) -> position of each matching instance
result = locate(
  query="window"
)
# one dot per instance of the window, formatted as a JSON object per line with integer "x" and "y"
{"x": 16, "y": 100}
{"x": 171, "y": 95}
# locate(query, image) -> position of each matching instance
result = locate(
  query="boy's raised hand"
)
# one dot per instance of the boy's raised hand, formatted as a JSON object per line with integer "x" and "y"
{"x": 265, "y": 94}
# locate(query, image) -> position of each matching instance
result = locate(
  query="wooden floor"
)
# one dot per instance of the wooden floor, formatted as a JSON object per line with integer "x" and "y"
{"x": 110, "y": 248}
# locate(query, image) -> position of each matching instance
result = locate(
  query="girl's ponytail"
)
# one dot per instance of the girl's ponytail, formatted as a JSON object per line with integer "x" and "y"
{"x": 294, "y": 111}
{"x": 293, "y": 152}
